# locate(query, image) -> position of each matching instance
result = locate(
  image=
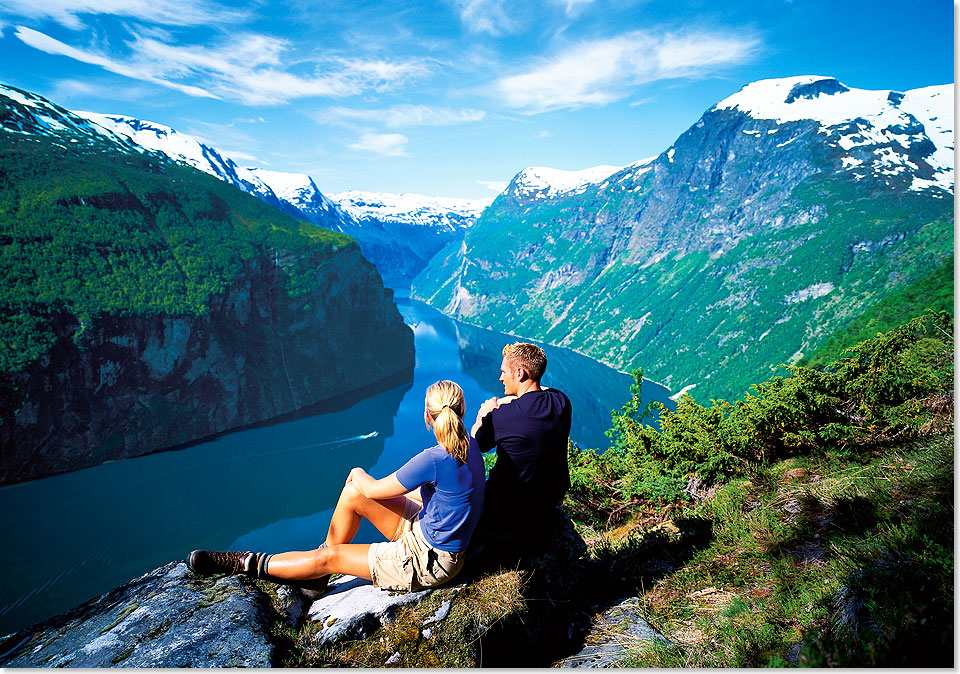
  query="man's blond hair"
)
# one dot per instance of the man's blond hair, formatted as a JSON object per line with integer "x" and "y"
{"x": 528, "y": 356}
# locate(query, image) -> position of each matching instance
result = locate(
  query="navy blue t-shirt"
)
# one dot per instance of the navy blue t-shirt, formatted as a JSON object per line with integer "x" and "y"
{"x": 531, "y": 473}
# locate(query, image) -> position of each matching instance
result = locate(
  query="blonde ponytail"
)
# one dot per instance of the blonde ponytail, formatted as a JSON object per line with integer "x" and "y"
{"x": 444, "y": 403}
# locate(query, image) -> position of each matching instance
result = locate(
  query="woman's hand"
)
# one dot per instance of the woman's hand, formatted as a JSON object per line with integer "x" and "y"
{"x": 371, "y": 487}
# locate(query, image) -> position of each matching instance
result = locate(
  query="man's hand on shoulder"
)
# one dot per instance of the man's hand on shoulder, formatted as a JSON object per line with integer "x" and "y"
{"x": 487, "y": 407}
{"x": 505, "y": 400}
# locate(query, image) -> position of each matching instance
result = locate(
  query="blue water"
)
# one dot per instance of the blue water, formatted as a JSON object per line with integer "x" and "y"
{"x": 71, "y": 537}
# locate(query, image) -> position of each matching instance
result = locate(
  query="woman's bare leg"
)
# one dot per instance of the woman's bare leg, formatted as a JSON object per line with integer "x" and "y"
{"x": 384, "y": 514}
{"x": 348, "y": 559}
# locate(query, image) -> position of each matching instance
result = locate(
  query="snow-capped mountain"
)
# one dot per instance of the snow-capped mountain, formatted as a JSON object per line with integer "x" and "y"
{"x": 886, "y": 132}
{"x": 783, "y": 212}
{"x": 302, "y": 198}
{"x": 402, "y": 232}
{"x": 415, "y": 209}
{"x": 397, "y": 233}
{"x": 32, "y": 115}
{"x": 542, "y": 181}
{"x": 187, "y": 149}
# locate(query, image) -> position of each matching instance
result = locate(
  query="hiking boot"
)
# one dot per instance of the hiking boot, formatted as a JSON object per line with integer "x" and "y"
{"x": 311, "y": 589}
{"x": 209, "y": 562}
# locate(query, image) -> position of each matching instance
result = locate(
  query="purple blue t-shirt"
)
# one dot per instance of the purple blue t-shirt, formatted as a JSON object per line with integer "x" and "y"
{"x": 452, "y": 494}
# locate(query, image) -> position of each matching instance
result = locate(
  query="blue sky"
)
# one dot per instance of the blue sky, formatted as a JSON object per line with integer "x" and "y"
{"x": 451, "y": 97}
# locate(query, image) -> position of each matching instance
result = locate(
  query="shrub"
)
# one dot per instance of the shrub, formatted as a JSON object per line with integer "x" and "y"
{"x": 880, "y": 389}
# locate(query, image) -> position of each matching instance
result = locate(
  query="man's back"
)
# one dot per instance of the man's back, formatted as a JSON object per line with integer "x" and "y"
{"x": 531, "y": 473}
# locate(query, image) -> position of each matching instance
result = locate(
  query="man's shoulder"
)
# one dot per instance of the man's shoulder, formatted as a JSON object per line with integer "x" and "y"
{"x": 556, "y": 394}
{"x": 536, "y": 403}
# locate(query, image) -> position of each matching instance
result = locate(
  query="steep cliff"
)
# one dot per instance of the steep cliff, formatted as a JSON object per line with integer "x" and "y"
{"x": 144, "y": 305}
{"x": 783, "y": 213}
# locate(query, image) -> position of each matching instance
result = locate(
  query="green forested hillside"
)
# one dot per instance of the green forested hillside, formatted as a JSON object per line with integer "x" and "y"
{"x": 934, "y": 291}
{"x": 107, "y": 233}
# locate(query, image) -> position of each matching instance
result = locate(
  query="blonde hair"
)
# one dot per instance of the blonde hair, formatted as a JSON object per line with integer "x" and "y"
{"x": 444, "y": 403}
{"x": 528, "y": 356}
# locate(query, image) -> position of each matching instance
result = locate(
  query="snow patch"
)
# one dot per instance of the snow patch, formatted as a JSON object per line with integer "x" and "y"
{"x": 810, "y": 292}
{"x": 551, "y": 181}
{"x": 407, "y": 208}
{"x": 861, "y": 118}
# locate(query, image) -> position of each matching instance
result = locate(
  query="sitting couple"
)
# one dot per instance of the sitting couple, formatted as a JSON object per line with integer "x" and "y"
{"x": 429, "y": 509}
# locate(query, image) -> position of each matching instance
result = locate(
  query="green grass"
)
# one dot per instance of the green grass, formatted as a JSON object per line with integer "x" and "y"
{"x": 812, "y": 521}
{"x": 825, "y": 560}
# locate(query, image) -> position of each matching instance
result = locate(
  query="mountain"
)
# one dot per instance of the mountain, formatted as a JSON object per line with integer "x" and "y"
{"x": 540, "y": 182}
{"x": 397, "y": 233}
{"x": 400, "y": 233}
{"x": 783, "y": 213}
{"x": 145, "y": 304}
{"x": 294, "y": 194}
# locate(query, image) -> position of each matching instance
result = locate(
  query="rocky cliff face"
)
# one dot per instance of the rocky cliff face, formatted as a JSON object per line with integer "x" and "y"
{"x": 138, "y": 384}
{"x": 780, "y": 215}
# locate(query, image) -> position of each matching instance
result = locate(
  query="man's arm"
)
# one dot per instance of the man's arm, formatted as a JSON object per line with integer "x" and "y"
{"x": 486, "y": 408}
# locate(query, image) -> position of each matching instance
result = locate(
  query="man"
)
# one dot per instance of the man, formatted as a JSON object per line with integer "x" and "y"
{"x": 530, "y": 427}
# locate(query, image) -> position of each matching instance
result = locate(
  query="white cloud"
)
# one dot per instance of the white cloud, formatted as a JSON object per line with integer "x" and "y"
{"x": 388, "y": 144}
{"x": 573, "y": 7}
{"x": 168, "y": 12}
{"x": 602, "y": 71}
{"x": 485, "y": 16}
{"x": 45, "y": 43}
{"x": 249, "y": 68}
{"x": 404, "y": 115}
{"x": 495, "y": 185}
{"x": 240, "y": 154}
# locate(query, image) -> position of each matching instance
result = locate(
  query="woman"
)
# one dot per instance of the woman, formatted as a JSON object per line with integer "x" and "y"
{"x": 427, "y": 510}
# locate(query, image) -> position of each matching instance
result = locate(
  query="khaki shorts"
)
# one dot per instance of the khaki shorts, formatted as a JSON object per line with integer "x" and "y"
{"x": 408, "y": 562}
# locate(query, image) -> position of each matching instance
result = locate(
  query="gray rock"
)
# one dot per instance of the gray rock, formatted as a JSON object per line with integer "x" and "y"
{"x": 354, "y": 608}
{"x": 441, "y": 613}
{"x": 166, "y": 618}
{"x": 614, "y": 631}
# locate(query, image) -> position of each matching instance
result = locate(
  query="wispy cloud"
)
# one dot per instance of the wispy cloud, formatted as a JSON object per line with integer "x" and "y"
{"x": 248, "y": 68}
{"x": 404, "y": 115}
{"x": 387, "y": 144}
{"x": 495, "y": 185}
{"x": 168, "y": 12}
{"x": 602, "y": 71}
{"x": 485, "y": 16}
{"x": 66, "y": 89}
{"x": 45, "y": 43}
{"x": 222, "y": 135}
{"x": 574, "y": 7}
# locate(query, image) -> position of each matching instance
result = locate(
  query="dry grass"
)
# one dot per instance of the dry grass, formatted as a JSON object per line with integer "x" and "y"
{"x": 407, "y": 642}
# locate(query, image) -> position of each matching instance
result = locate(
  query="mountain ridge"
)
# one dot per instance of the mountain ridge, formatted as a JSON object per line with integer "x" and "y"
{"x": 398, "y": 241}
{"x": 754, "y": 235}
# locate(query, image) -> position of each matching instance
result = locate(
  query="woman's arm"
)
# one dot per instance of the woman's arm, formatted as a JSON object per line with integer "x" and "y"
{"x": 371, "y": 487}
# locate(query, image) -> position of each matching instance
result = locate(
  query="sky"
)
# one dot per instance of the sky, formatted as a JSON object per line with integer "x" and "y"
{"x": 451, "y": 97}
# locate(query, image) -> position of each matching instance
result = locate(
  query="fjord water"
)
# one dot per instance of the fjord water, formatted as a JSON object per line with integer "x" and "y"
{"x": 71, "y": 537}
